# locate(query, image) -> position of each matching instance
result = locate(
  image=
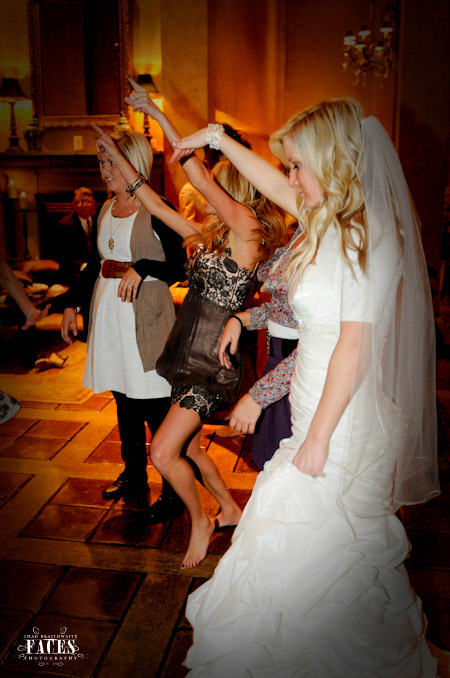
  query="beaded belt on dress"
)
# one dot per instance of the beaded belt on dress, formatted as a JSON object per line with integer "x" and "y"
{"x": 318, "y": 330}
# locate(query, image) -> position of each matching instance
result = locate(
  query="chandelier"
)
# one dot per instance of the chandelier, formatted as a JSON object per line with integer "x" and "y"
{"x": 364, "y": 54}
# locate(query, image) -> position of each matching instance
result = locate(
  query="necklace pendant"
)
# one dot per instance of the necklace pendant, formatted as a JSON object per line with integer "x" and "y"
{"x": 111, "y": 244}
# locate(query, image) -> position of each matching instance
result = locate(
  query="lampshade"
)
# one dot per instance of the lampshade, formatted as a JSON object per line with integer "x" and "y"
{"x": 10, "y": 90}
{"x": 145, "y": 80}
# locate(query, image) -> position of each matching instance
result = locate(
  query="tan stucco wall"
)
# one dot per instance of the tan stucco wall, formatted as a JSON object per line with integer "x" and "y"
{"x": 256, "y": 62}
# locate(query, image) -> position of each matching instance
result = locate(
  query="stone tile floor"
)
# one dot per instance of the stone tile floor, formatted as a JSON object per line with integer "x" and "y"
{"x": 75, "y": 565}
{"x": 91, "y": 567}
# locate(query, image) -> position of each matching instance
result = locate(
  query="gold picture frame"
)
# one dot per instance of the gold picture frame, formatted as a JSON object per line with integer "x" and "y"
{"x": 44, "y": 72}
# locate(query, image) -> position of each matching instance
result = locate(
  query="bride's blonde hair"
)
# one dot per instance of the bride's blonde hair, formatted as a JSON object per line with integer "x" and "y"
{"x": 328, "y": 140}
{"x": 270, "y": 227}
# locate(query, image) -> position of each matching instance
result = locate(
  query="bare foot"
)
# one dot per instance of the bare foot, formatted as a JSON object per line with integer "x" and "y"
{"x": 229, "y": 516}
{"x": 198, "y": 543}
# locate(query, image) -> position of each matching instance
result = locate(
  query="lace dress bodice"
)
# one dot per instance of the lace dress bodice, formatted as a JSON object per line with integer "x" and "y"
{"x": 218, "y": 278}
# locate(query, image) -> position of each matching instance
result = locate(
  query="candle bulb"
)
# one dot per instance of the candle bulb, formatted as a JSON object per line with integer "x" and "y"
{"x": 77, "y": 143}
{"x": 12, "y": 190}
{"x": 23, "y": 202}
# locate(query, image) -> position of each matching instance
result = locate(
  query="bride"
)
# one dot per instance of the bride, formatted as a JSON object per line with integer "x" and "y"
{"x": 314, "y": 584}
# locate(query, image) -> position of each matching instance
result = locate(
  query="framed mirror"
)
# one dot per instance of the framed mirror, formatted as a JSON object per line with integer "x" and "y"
{"x": 79, "y": 52}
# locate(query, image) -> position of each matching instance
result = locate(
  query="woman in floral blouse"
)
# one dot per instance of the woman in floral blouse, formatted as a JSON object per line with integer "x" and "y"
{"x": 269, "y": 395}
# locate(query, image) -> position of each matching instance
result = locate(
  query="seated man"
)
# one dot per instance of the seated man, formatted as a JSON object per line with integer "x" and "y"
{"x": 74, "y": 237}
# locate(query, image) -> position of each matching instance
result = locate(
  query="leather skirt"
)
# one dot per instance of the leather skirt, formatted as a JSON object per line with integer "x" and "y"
{"x": 190, "y": 356}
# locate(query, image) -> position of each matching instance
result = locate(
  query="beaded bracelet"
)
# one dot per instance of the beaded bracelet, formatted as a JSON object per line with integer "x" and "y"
{"x": 137, "y": 183}
{"x": 213, "y": 135}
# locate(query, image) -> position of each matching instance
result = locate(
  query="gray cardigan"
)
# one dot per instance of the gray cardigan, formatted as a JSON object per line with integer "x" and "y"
{"x": 153, "y": 307}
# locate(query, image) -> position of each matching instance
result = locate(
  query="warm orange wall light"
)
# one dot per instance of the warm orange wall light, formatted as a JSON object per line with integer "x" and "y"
{"x": 153, "y": 129}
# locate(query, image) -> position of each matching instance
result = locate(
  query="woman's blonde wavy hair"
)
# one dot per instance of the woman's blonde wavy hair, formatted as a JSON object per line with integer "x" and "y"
{"x": 270, "y": 227}
{"x": 328, "y": 140}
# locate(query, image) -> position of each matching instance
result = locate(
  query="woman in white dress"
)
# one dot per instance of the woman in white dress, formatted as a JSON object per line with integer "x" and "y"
{"x": 314, "y": 584}
{"x": 131, "y": 315}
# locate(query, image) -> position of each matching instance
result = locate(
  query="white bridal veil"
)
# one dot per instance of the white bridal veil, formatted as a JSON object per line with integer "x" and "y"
{"x": 392, "y": 460}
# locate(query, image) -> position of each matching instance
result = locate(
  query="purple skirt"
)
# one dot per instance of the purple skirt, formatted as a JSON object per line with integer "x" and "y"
{"x": 275, "y": 421}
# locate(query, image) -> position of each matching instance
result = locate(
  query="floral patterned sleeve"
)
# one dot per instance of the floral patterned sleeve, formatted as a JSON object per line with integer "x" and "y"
{"x": 275, "y": 384}
{"x": 259, "y": 315}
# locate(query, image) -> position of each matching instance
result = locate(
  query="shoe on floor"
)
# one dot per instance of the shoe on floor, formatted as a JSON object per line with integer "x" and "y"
{"x": 122, "y": 486}
{"x": 54, "y": 360}
{"x": 164, "y": 508}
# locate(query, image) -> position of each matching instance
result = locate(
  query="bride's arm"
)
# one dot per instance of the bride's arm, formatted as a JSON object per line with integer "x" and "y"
{"x": 346, "y": 369}
{"x": 260, "y": 173}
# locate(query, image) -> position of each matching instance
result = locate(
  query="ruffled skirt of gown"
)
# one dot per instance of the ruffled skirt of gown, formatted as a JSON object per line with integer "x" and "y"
{"x": 308, "y": 588}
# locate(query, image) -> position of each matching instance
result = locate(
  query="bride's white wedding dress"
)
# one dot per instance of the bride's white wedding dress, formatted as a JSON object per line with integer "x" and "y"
{"x": 309, "y": 589}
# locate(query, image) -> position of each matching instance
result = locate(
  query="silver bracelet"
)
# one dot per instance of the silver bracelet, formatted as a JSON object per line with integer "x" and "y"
{"x": 213, "y": 135}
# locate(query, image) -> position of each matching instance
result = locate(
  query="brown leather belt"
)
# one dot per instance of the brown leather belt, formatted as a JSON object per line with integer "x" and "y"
{"x": 115, "y": 269}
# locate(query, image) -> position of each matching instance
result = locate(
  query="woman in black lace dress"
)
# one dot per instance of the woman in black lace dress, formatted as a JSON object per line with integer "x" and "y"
{"x": 245, "y": 229}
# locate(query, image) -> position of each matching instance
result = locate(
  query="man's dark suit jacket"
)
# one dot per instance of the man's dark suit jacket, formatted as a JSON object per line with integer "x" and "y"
{"x": 72, "y": 246}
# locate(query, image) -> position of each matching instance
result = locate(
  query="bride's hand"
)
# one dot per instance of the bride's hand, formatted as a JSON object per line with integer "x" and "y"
{"x": 196, "y": 140}
{"x": 187, "y": 145}
{"x": 311, "y": 458}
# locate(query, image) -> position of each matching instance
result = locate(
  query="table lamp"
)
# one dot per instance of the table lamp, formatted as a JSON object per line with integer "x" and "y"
{"x": 10, "y": 93}
{"x": 145, "y": 80}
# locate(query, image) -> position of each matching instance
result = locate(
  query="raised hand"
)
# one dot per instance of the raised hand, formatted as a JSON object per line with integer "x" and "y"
{"x": 196, "y": 140}
{"x": 106, "y": 144}
{"x": 141, "y": 101}
{"x": 188, "y": 145}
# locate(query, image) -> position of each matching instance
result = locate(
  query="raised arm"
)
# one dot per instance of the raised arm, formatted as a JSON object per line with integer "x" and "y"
{"x": 238, "y": 217}
{"x": 262, "y": 174}
{"x": 147, "y": 196}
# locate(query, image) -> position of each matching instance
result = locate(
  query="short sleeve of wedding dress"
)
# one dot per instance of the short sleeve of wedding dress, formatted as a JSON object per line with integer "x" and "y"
{"x": 355, "y": 293}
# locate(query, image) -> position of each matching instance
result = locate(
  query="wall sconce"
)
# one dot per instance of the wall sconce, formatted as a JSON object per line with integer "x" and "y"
{"x": 10, "y": 93}
{"x": 145, "y": 80}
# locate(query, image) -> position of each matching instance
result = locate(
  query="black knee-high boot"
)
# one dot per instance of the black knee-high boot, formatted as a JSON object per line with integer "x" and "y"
{"x": 133, "y": 480}
{"x": 135, "y": 458}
